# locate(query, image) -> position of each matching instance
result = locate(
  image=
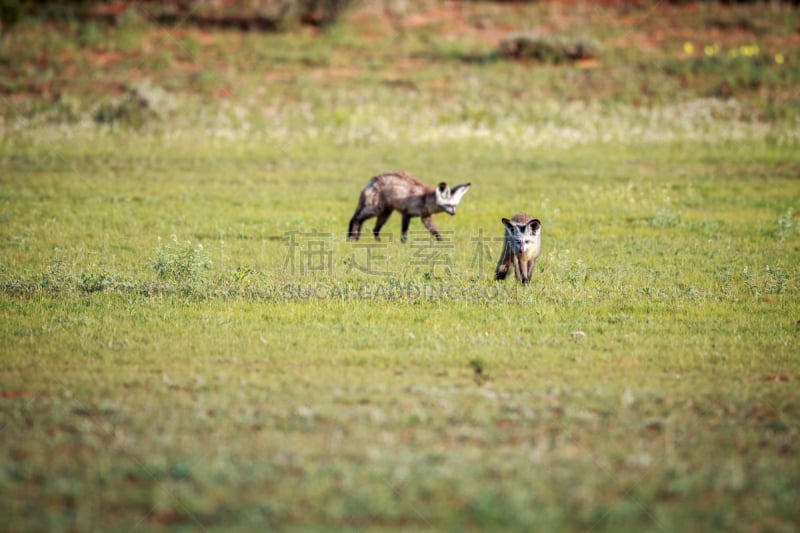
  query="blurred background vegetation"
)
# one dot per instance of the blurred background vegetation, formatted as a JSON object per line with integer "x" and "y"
{"x": 250, "y": 15}
{"x": 136, "y": 61}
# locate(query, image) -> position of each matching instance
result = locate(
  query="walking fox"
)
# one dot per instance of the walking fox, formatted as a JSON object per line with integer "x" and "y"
{"x": 522, "y": 245}
{"x": 397, "y": 190}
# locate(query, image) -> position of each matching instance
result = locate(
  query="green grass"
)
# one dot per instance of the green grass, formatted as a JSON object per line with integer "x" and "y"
{"x": 150, "y": 382}
{"x": 188, "y": 341}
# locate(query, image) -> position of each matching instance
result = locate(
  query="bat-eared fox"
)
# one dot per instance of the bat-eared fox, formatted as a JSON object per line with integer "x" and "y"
{"x": 522, "y": 245}
{"x": 397, "y": 190}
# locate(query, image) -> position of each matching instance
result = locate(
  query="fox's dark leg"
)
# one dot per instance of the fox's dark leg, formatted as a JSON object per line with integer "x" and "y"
{"x": 359, "y": 217}
{"x": 428, "y": 221}
{"x": 354, "y": 229}
{"x": 529, "y": 271}
{"x": 518, "y": 269}
{"x": 404, "y": 227}
{"x": 382, "y": 218}
{"x": 502, "y": 266}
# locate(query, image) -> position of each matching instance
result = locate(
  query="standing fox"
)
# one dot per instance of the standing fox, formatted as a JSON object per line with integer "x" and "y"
{"x": 397, "y": 190}
{"x": 522, "y": 246}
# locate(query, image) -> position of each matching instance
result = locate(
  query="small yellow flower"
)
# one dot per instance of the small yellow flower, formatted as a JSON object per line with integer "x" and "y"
{"x": 688, "y": 48}
{"x": 779, "y": 59}
{"x": 709, "y": 50}
{"x": 749, "y": 51}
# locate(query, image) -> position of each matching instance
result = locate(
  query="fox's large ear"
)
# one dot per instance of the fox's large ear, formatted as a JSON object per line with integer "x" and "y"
{"x": 507, "y": 223}
{"x": 442, "y": 193}
{"x": 534, "y": 225}
{"x": 459, "y": 190}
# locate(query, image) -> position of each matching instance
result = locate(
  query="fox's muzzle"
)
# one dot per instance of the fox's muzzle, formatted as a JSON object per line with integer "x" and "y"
{"x": 450, "y": 210}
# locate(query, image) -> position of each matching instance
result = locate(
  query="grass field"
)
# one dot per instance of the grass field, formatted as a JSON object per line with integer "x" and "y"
{"x": 188, "y": 342}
